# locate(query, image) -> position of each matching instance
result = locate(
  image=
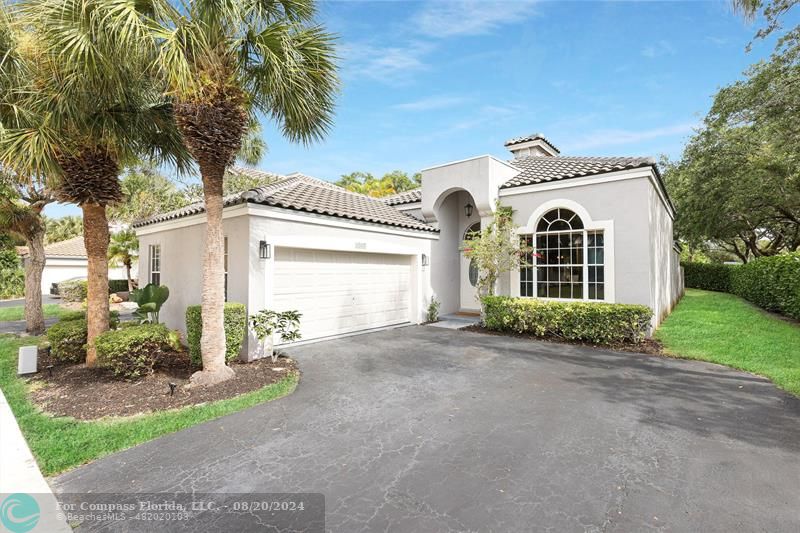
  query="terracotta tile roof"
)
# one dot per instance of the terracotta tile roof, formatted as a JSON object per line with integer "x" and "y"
{"x": 405, "y": 197}
{"x": 541, "y": 169}
{"x": 70, "y": 248}
{"x": 303, "y": 193}
{"x": 531, "y": 137}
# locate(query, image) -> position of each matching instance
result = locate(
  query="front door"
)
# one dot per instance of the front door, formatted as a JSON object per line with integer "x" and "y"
{"x": 469, "y": 277}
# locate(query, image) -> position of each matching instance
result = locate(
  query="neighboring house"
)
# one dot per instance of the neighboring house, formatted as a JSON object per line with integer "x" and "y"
{"x": 350, "y": 263}
{"x": 67, "y": 260}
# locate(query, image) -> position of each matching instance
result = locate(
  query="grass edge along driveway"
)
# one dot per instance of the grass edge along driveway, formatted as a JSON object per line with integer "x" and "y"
{"x": 61, "y": 443}
{"x": 9, "y": 314}
{"x": 725, "y": 329}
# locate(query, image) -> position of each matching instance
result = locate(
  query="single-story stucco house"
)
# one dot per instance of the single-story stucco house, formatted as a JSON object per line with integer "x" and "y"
{"x": 349, "y": 263}
{"x": 66, "y": 260}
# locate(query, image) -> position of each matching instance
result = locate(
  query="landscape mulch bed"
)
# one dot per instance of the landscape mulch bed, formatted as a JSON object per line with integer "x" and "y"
{"x": 92, "y": 393}
{"x": 649, "y": 346}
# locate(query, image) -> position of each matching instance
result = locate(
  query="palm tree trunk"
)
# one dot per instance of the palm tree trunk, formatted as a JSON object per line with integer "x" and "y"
{"x": 34, "y": 265}
{"x": 212, "y": 339}
{"x": 128, "y": 274}
{"x": 96, "y": 238}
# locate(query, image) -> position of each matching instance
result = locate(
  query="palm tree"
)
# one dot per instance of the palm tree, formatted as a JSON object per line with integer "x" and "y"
{"x": 224, "y": 63}
{"x": 63, "y": 228}
{"x": 124, "y": 249}
{"x": 79, "y": 117}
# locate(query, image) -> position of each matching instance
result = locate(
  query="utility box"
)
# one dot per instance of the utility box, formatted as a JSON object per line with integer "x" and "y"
{"x": 27, "y": 359}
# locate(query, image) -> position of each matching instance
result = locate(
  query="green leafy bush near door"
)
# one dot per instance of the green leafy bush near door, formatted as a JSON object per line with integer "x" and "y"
{"x": 599, "y": 323}
{"x": 235, "y": 330}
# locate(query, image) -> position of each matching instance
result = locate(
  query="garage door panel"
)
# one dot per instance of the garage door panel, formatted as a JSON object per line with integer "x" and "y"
{"x": 342, "y": 292}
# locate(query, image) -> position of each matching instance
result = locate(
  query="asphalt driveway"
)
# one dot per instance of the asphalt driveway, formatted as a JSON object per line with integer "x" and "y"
{"x": 424, "y": 429}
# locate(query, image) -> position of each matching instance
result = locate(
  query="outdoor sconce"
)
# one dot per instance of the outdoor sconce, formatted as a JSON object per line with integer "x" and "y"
{"x": 264, "y": 250}
{"x": 425, "y": 260}
{"x": 468, "y": 209}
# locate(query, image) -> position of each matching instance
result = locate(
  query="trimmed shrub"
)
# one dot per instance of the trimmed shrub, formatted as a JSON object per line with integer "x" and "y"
{"x": 73, "y": 290}
{"x": 235, "y": 330}
{"x": 12, "y": 283}
{"x": 772, "y": 283}
{"x": 132, "y": 352}
{"x": 68, "y": 340}
{"x": 708, "y": 276}
{"x": 599, "y": 323}
{"x": 117, "y": 285}
{"x": 113, "y": 317}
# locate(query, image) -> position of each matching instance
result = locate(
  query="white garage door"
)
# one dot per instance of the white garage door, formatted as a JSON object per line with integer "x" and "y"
{"x": 342, "y": 292}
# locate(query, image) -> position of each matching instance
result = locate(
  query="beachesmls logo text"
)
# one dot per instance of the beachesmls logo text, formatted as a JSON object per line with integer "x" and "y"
{"x": 19, "y": 513}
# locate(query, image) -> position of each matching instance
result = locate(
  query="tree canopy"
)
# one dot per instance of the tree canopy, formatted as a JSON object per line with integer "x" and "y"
{"x": 390, "y": 183}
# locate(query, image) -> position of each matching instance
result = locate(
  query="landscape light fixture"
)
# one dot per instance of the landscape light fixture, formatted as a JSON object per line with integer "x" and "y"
{"x": 264, "y": 250}
{"x": 468, "y": 209}
{"x": 172, "y": 389}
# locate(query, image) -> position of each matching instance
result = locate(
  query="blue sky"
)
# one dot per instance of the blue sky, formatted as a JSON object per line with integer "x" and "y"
{"x": 429, "y": 82}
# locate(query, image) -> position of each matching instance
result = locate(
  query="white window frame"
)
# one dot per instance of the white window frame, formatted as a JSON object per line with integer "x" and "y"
{"x": 154, "y": 258}
{"x": 589, "y": 225}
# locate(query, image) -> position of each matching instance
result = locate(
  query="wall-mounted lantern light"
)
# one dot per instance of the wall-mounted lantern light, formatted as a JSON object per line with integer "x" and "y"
{"x": 264, "y": 250}
{"x": 425, "y": 260}
{"x": 468, "y": 209}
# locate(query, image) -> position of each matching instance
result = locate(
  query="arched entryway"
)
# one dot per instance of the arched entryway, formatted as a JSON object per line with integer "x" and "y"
{"x": 469, "y": 273}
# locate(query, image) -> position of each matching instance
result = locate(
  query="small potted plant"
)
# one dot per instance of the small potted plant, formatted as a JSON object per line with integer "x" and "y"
{"x": 266, "y": 323}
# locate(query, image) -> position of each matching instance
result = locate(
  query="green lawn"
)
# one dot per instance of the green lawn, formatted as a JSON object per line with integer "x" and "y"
{"x": 18, "y": 313}
{"x": 722, "y": 328}
{"x": 62, "y": 443}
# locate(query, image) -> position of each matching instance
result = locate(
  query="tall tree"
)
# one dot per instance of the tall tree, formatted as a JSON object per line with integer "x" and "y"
{"x": 223, "y": 63}
{"x": 80, "y": 109}
{"x": 146, "y": 192}
{"x": 390, "y": 183}
{"x": 21, "y": 214}
{"x": 62, "y": 228}
{"x": 124, "y": 250}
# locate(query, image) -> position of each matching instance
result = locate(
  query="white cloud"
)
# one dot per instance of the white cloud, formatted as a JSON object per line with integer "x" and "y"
{"x": 618, "y": 137}
{"x": 469, "y": 17}
{"x": 659, "y": 48}
{"x": 432, "y": 103}
{"x": 390, "y": 64}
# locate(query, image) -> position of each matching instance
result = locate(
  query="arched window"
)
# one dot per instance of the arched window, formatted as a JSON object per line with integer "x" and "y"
{"x": 566, "y": 261}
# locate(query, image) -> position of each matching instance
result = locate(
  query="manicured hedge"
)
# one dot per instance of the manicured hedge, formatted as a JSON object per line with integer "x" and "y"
{"x": 708, "y": 276}
{"x": 771, "y": 282}
{"x": 68, "y": 340}
{"x": 599, "y": 323}
{"x": 132, "y": 352}
{"x": 113, "y": 317}
{"x": 117, "y": 285}
{"x": 235, "y": 330}
{"x": 74, "y": 290}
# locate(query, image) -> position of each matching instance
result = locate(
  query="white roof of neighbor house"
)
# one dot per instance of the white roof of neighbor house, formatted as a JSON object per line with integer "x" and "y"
{"x": 73, "y": 247}
{"x": 303, "y": 193}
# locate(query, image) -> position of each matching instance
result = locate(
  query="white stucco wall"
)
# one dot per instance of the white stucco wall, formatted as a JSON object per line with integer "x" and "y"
{"x": 58, "y": 269}
{"x": 666, "y": 278}
{"x": 445, "y": 256}
{"x": 182, "y": 265}
{"x": 249, "y": 277}
{"x": 627, "y": 204}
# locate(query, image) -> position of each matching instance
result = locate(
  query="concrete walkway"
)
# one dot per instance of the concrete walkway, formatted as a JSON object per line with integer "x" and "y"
{"x": 428, "y": 429}
{"x": 19, "y": 473}
{"x": 455, "y": 321}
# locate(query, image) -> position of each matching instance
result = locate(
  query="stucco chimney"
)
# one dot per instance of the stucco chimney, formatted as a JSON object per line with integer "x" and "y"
{"x": 531, "y": 145}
